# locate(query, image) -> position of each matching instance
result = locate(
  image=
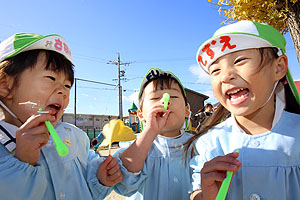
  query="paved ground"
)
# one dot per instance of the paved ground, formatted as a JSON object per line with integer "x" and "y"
{"x": 114, "y": 196}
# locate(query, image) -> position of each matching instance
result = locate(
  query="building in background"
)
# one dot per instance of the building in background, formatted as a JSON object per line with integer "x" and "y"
{"x": 93, "y": 124}
{"x": 196, "y": 101}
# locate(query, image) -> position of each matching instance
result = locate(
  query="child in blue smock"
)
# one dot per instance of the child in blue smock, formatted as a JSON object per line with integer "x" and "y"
{"x": 37, "y": 72}
{"x": 250, "y": 77}
{"x": 156, "y": 157}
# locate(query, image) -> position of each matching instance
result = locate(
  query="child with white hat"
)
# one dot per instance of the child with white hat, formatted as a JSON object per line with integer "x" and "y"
{"x": 36, "y": 75}
{"x": 250, "y": 77}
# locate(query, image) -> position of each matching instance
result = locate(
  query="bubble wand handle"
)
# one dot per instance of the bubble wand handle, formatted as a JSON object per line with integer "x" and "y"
{"x": 225, "y": 185}
{"x": 166, "y": 98}
{"x": 61, "y": 148}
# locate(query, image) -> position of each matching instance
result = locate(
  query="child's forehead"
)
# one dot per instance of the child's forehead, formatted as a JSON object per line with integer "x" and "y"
{"x": 244, "y": 52}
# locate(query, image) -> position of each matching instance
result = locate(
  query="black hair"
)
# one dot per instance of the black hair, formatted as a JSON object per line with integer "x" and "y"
{"x": 54, "y": 61}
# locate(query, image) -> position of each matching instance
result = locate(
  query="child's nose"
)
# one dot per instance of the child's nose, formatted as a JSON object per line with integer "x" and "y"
{"x": 162, "y": 101}
{"x": 227, "y": 75}
{"x": 62, "y": 91}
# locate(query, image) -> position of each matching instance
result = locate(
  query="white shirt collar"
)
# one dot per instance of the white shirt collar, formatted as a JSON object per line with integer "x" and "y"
{"x": 5, "y": 139}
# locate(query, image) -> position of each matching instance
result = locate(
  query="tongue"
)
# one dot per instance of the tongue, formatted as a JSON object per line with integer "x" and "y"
{"x": 52, "y": 109}
{"x": 239, "y": 93}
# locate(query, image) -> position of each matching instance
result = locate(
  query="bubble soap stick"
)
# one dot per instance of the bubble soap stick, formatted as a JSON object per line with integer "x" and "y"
{"x": 225, "y": 185}
{"x": 61, "y": 148}
{"x": 166, "y": 98}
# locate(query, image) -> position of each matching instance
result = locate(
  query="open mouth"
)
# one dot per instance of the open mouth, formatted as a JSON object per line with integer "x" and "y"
{"x": 238, "y": 95}
{"x": 54, "y": 109}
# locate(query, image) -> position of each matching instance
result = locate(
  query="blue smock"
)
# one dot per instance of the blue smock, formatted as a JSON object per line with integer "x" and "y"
{"x": 165, "y": 175}
{"x": 270, "y": 161}
{"x": 53, "y": 177}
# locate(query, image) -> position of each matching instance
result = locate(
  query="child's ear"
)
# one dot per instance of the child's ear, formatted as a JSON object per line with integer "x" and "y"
{"x": 281, "y": 67}
{"x": 140, "y": 115}
{"x": 6, "y": 84}
{"x": 187, "y": 111}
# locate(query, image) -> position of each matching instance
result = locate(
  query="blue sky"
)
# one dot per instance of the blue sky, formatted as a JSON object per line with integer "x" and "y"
{"x": 158, "y": 33}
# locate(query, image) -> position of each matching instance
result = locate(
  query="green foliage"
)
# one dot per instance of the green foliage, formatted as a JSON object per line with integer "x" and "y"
{"x": 273, "y": 12}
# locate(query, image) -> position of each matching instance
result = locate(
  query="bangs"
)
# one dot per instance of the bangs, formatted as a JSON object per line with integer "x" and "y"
{"x": 162, "y": 83}
{"x": 58, "y": 63}
{"x": 54, "y": 61}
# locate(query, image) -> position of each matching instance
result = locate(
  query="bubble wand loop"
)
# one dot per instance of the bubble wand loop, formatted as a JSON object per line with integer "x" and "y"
{"x": 166, "y": 98}
{"x": 61, "y": 148}
{"x": 225, "y": 185}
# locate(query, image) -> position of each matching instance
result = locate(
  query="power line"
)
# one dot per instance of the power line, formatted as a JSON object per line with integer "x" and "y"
{"x": 102, "y": 60}
{"x": 165, "y": 60}
{"x": 79, "y": 79}
{"x": 99, "y": 60}
{"x": 75, "y": 99}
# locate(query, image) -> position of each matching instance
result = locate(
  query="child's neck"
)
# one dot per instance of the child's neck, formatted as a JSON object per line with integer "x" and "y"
{"x": 10, "y": 119}
{"x": 258, "y": 122}
{"x": 170, "y": 133}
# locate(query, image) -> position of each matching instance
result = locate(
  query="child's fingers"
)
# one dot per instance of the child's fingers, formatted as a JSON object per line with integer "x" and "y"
{"x": 104, "y": 164}
{"x": 218, "y": 166}
{"x": 211, "y": 177}
{"x": 234, "y": 155}
{"x": 158, "y": 112}
{"x": 113, "y": 170}
{"x": 116, "y": 178}
{"x": 112, "y": 163}
{"x": 37, "y": 137}
{"x": 36, "y": 120}
{"x": 35, "y": 132}
{"x": 228, "y": 162}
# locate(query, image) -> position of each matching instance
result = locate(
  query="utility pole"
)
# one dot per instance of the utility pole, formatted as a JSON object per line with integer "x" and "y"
{"x": 121, "y": 73}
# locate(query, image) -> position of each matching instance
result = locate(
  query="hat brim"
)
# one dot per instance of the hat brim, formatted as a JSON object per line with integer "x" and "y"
{"x": 221, "y": 45}
{"x": 22, "y": 42}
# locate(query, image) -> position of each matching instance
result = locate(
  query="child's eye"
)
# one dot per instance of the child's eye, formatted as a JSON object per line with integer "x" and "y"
{"x": 239, "y": 60}
{"x": 214, "y": 71}
{"x": 68, "y": 86}
{"x": 51, "y": 77}
{"x": 154, "y": 98}
{"x": 174, "y": 97}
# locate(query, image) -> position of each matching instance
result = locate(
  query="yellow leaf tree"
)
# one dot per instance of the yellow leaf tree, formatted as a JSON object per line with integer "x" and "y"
{"x": 284, "y": 15}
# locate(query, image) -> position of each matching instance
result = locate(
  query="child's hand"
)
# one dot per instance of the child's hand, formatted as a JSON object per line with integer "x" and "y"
{"x": 157, "y": 119}
{"x": 109, "y": 172}
{"x": 214, "y": 172}
{"x": 30, "y": 138}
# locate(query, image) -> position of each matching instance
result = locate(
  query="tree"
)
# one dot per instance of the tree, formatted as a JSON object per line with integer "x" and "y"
{"x": 284, "y": 15}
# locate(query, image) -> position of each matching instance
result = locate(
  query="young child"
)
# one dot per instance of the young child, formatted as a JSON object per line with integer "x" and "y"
{"x": 37, "y": 72}
{"x": 155, "y": 158}
{"x": 203, "y": 114}
{"x": 250, "y": 77}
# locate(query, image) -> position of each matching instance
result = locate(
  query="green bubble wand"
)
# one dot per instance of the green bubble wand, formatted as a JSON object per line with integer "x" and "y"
{"x": 61, "y": 148}
{"x": 225, "y": 185}
{"x": 166, "y": 98}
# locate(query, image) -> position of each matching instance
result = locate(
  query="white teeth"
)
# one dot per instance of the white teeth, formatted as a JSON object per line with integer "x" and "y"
{"x": 56, "y": 105}
{"x": 234, "y": 91}
{"x": 240, "y": 97}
